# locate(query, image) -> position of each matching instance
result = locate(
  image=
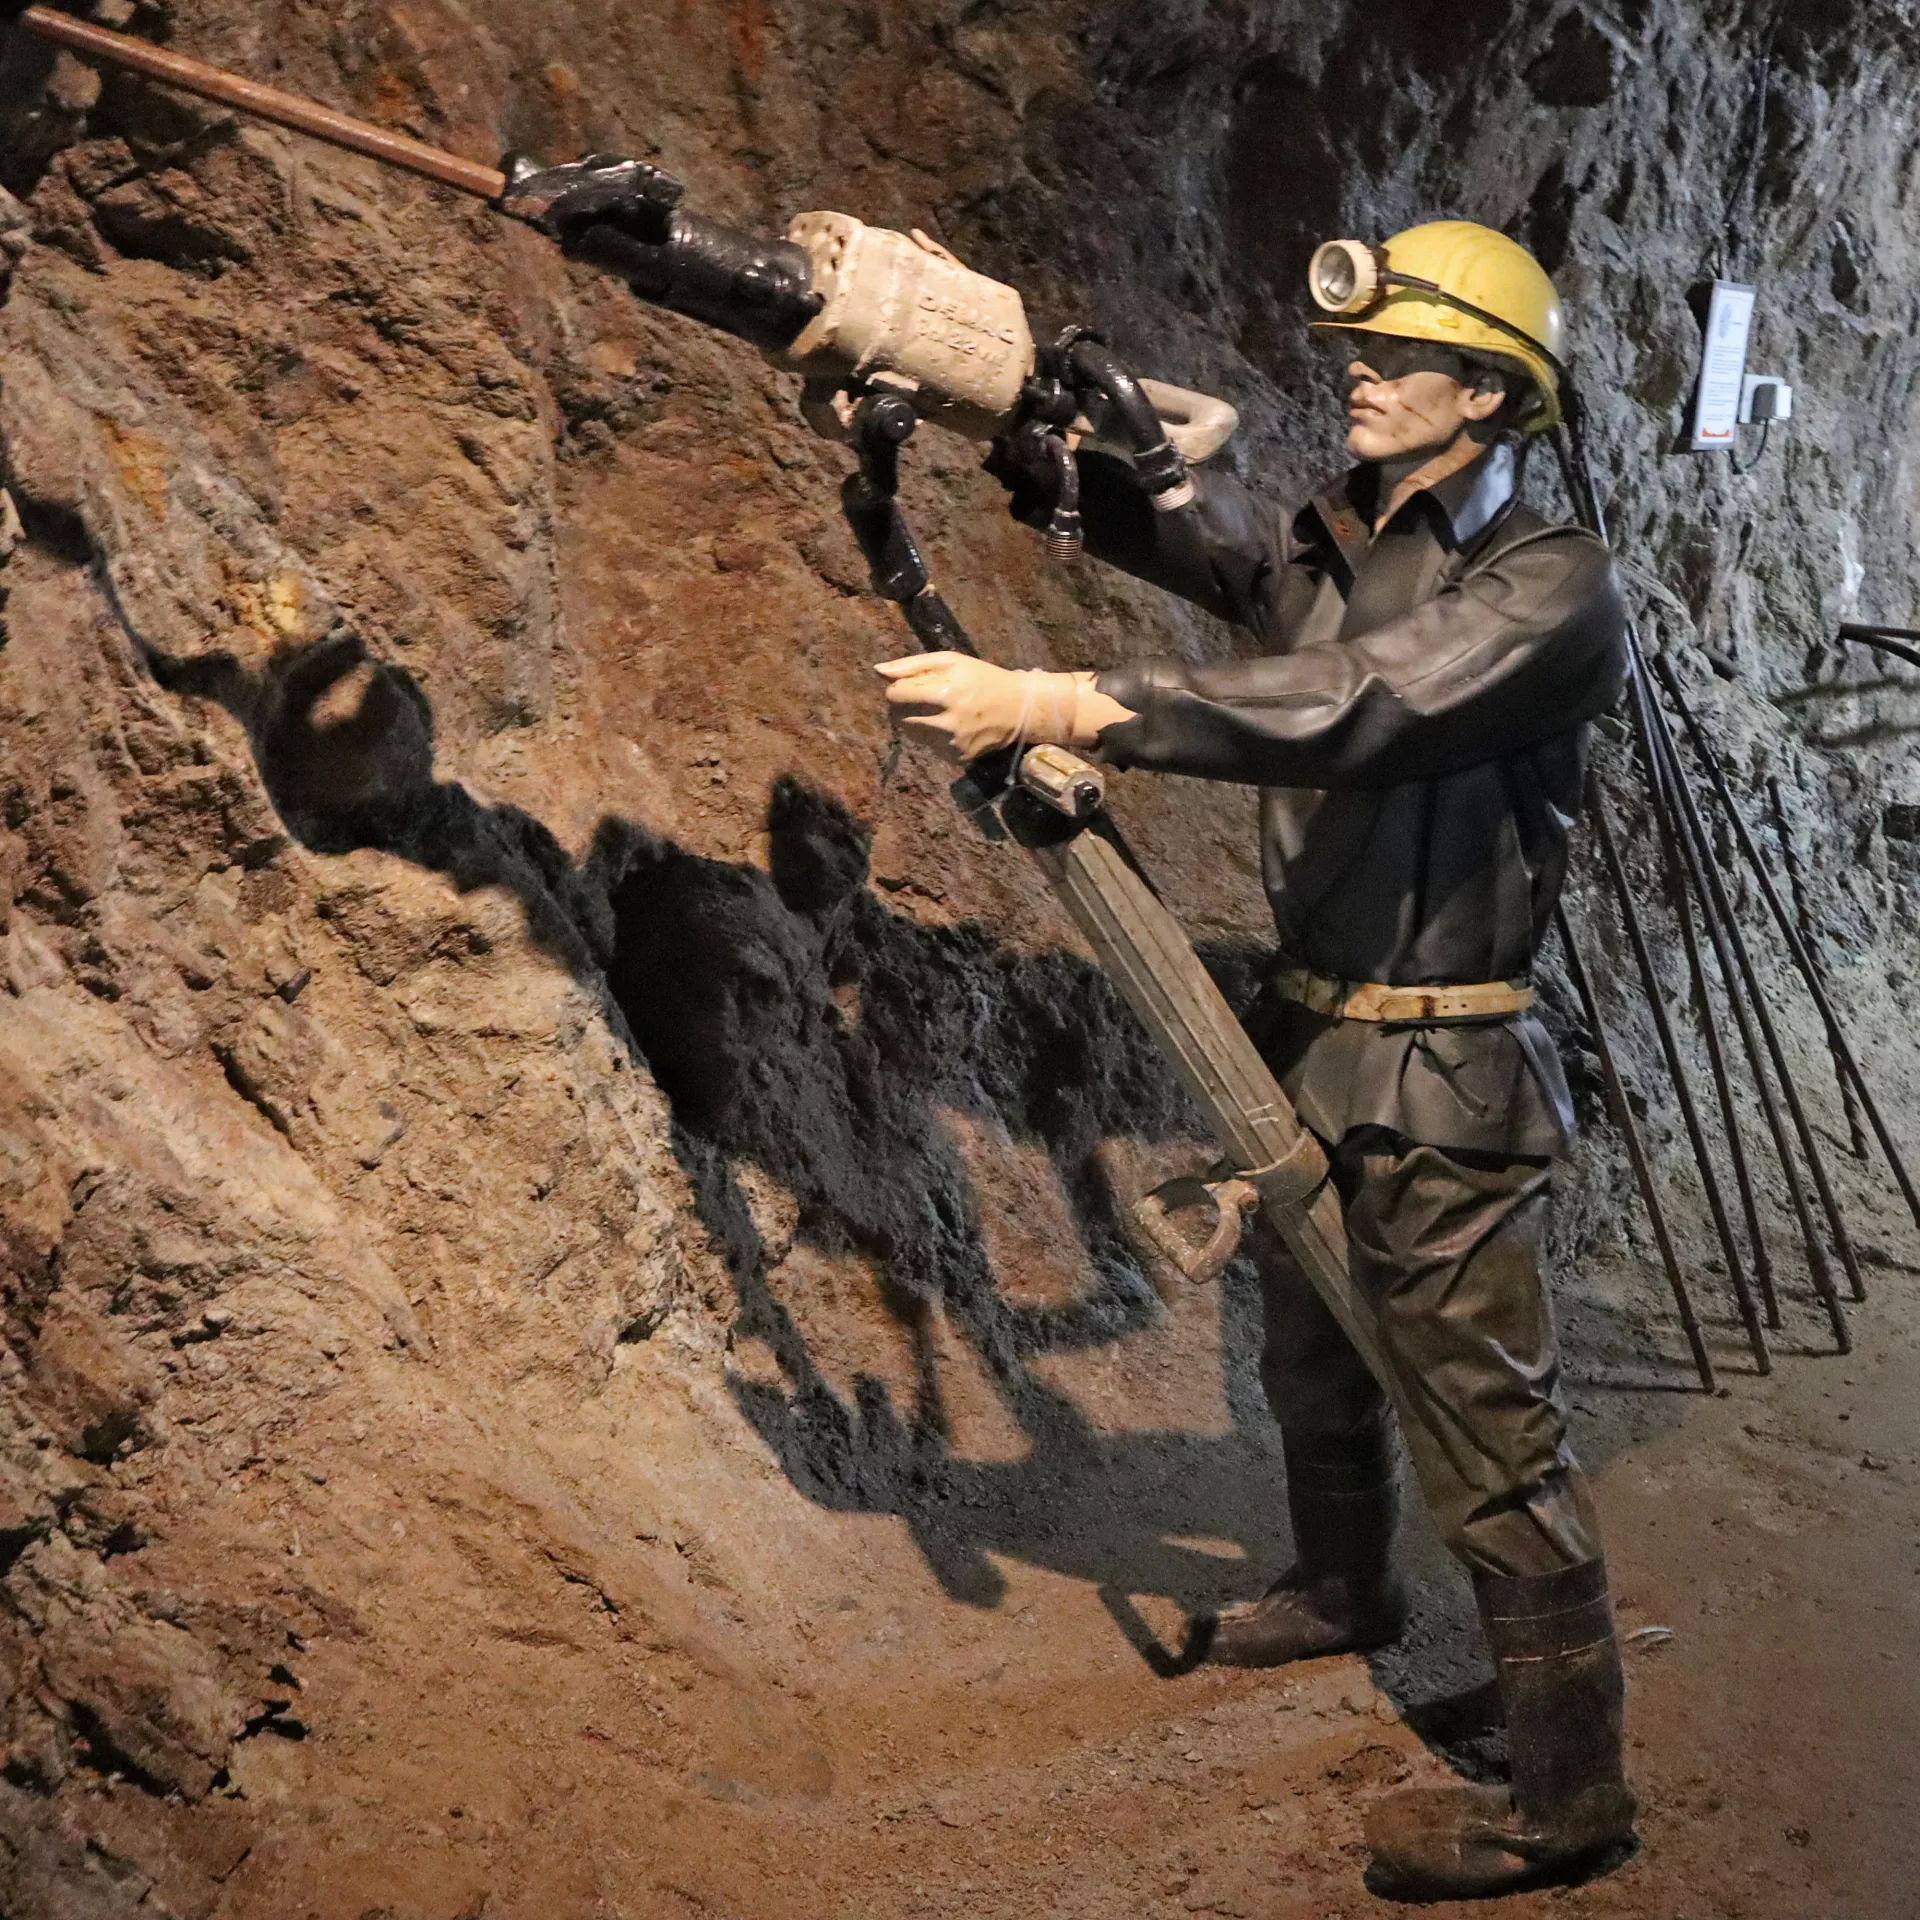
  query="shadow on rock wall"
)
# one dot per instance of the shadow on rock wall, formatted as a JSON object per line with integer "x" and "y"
{"x": 804, "y": 1032}
{"x": 802, "y": 1029}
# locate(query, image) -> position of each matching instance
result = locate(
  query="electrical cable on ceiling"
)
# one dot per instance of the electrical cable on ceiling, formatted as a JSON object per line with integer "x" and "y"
{"x": 1731, "y": 249}
{"x": 1733, "y": 246}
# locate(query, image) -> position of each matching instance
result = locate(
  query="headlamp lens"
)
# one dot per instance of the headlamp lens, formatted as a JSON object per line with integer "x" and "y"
{"x": 1344, "y": 276}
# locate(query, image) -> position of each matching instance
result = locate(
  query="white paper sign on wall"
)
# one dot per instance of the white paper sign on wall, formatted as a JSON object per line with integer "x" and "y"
{"x": 1716, "y": 408}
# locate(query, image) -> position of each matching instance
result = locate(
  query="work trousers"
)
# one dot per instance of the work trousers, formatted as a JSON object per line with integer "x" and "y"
{"x": 1445, "y": 1245}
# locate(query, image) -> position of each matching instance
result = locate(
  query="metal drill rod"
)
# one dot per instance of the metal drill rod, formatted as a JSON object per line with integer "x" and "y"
{"x": 1576, "y": 472}
{"x": 1757, "y": 1034}
{"x": 1578, "y": 475}
{"x": 265, "y": 103}
{"x": 1756, "y": 1001}
{"x": 1629, "y": 1131}
{"x": 1685, "y": 880}
{"x": 1885, "y": 640}
{"x": 1803, "y": 914}
{"x": 1670, "y": 1051}
{"x": 1570, "y": 448}
{"x": 1836, "y": 1032}
{"x": 1714, "y": 911}
{"x": 1679, "y": 876}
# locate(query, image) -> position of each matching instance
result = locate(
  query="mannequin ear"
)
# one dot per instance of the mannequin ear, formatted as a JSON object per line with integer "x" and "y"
{"x": 1484, "y": 401}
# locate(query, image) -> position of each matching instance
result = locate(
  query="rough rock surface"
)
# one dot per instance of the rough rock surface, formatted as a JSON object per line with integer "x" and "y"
{"x": 523, "y": 1133}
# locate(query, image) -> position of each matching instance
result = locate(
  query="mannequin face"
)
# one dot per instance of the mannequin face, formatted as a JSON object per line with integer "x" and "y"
{"x": 1415, "y": 416}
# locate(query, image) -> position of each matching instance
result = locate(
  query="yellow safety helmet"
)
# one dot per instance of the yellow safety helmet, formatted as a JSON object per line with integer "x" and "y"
{"x": 1459, "y": 285}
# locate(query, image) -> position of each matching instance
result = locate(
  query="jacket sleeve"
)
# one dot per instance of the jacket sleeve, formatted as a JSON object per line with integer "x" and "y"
{"x": 1529, "y": 644}
{"x": 1221, "y": 552}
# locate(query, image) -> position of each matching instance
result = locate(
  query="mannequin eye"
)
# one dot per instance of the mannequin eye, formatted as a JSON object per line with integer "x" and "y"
{"x": 1391, "y": 360}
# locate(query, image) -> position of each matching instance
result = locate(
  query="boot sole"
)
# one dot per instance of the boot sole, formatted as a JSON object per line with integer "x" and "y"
{"x": 1203, "y": 1648}
{"x": 1575, "y": 1870}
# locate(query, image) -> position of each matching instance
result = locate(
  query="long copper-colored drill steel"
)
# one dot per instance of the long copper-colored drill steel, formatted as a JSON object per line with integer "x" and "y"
{"x": 266, "y": 103}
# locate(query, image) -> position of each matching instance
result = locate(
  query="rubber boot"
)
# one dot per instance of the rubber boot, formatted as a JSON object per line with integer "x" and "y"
{"x": 1340, "y": 1595}
{"x": 1557, "y": 1660}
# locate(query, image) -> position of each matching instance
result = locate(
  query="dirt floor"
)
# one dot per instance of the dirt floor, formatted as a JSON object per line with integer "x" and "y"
{"x": 968, "y": 1710}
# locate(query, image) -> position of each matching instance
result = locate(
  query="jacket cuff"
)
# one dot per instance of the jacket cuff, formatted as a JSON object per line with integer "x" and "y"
{"x": 1137, "y": 687}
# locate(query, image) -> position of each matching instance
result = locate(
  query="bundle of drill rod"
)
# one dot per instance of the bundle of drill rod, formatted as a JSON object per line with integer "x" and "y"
{"x": 1701, "y": 902}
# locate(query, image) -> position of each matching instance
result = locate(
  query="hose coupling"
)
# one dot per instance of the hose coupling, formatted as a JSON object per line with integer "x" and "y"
{"x": 1065, "y": 536}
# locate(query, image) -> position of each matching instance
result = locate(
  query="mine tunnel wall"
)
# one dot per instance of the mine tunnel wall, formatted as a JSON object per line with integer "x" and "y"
{"x": 461, "y": 918}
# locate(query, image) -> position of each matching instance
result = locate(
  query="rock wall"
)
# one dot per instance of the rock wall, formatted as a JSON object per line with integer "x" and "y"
{"x": 467, "y": 941}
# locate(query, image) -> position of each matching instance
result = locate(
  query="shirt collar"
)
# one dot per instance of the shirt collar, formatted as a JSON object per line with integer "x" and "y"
{"x": 1469, "y": 501}
{"x": 1475, "y": 497}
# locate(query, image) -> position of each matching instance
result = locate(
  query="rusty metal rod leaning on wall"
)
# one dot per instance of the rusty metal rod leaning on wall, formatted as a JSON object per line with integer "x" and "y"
{"x": 1684, "y": 889}
{"x": 1876, "y": 637}
{"x": 1836, "y": 1032}
{"x": 1569, "y": 445}
{"x": 1684, "y": 892}
{"x": 1679, "y": 799}
{"x": 1803, "y": 916}
{"x": 1750, "y": 1012}
{"x": 1577, "y": 473}
{"x": 1670, "y": 1052}
{"x": 1756, "y": 1001}
{"x": 1582, "y": 976}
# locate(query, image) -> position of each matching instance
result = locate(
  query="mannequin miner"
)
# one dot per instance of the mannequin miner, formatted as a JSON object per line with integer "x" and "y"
{"x": 1432, "y": 655}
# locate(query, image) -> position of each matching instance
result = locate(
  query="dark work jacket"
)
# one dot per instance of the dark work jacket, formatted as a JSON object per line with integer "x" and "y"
{"x": 1417, "y": 725}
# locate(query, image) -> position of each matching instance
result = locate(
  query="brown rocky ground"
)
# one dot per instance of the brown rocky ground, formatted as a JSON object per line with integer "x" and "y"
{"x": 568, "y": 1341}
{"x": 646, "y": 1676}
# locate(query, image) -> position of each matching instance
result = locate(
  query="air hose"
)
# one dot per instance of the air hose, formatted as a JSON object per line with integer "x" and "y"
{"x": 1158, "y": 465}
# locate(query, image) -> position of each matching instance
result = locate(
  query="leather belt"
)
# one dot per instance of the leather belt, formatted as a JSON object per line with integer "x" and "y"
{"x": 1413, "y": 1006}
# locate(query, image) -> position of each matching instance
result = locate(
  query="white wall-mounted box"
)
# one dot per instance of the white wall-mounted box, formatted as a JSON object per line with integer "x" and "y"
{"x": 1716, "y": 409}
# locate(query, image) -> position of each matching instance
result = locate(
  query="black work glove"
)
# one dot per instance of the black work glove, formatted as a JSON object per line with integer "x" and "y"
{"x": 1030, "y": 460}
{"x": 1018, "y": 459}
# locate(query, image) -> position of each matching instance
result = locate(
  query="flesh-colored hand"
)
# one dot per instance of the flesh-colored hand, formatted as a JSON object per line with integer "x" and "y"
{"x": 967, "y": 707}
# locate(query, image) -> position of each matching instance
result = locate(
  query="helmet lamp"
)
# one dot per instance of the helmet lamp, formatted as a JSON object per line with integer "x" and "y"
{"x": 1346, "y": 276}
